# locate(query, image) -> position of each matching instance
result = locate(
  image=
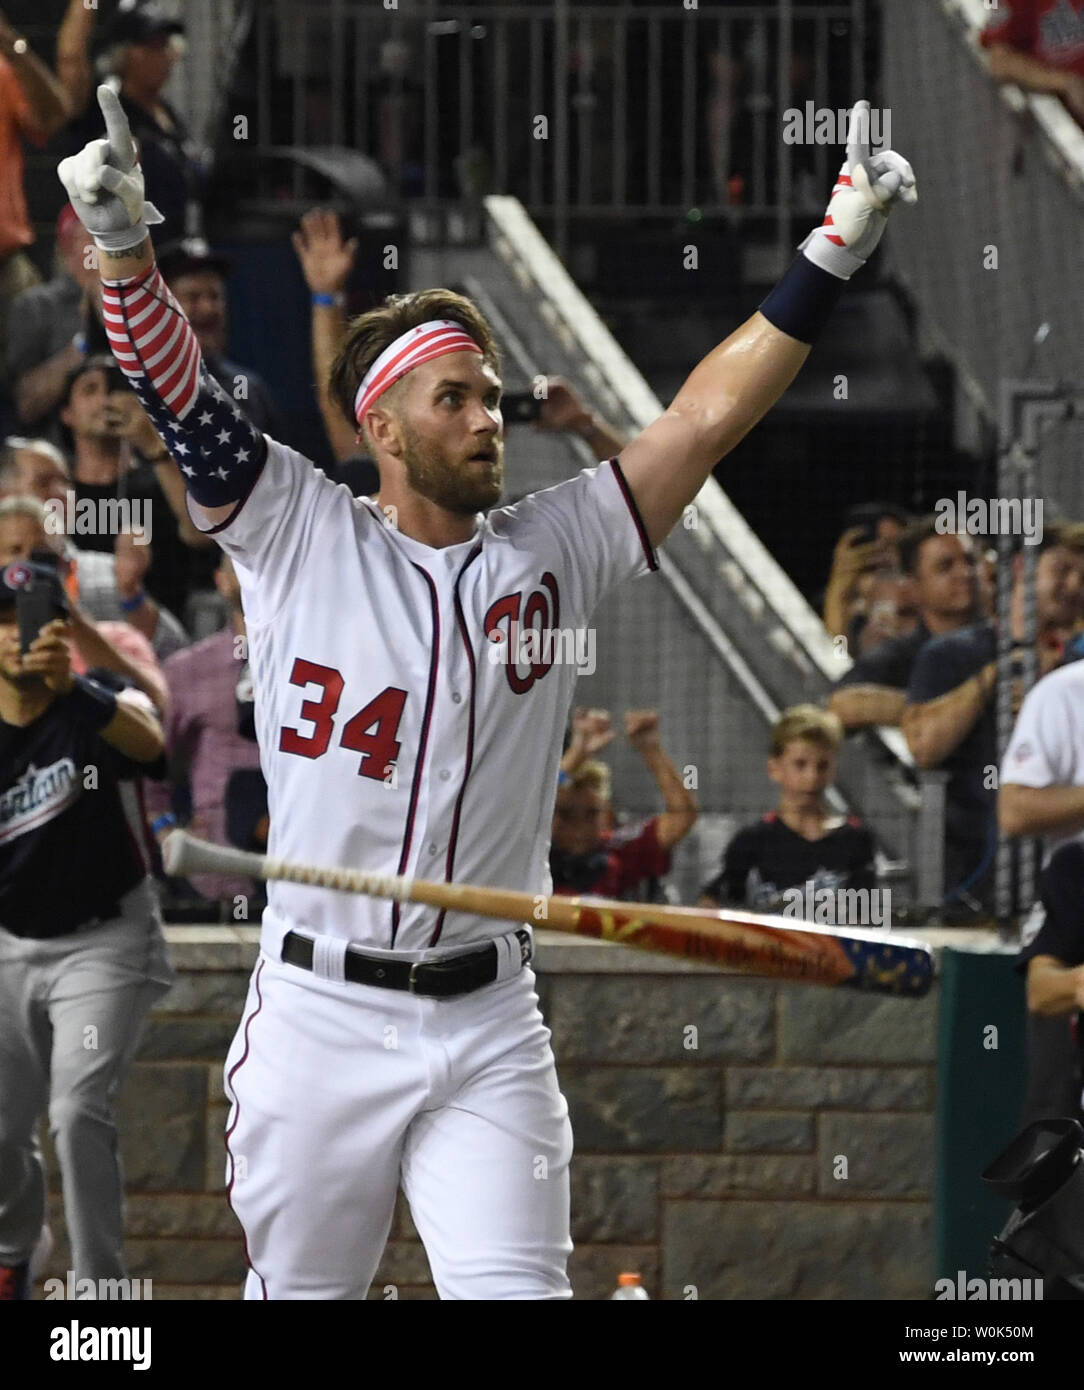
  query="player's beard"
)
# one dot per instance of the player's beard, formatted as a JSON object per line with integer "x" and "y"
{"x": 464, "y": 488}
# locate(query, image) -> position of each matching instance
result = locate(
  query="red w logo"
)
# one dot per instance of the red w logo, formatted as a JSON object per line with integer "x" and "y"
{"x": 526, "y": 652}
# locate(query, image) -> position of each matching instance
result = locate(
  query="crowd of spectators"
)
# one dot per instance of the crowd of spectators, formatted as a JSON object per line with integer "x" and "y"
{"x": 937, "y": 680}
{"x": 935, "y": 675}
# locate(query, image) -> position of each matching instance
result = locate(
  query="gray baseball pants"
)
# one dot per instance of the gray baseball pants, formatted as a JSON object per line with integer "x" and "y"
{"x": 71, "y": 1014}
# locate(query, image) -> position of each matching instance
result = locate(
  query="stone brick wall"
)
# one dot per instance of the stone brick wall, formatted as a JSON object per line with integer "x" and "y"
{"x": 714, "y": 1119}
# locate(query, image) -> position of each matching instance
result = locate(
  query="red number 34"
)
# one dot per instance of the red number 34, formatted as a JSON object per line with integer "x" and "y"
{"x": 371, "y": 732}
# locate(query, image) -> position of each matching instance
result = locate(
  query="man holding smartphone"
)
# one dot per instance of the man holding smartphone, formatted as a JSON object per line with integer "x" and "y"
{"x": 82, "y": 954}
{"x": 106, "y": 423}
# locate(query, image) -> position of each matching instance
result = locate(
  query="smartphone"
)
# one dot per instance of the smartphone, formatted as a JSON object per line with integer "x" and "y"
{"x": 116, "y": 384}
{"x": 115, "y": 380}
{"x": 866, "y": 517}
{"x": 41, "y": 600}
{"x": 520, "y": 407}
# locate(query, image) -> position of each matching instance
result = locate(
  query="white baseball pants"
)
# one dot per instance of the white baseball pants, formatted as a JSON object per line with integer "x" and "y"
{"x": 340, "y": 1093}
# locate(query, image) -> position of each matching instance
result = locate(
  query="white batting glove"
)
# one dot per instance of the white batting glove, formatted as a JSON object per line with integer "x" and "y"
{"x": 867, "y": 187}
{"x": 105, "y": 183}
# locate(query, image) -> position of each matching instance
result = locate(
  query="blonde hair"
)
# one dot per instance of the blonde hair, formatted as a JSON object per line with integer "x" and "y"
{"x": 591, "y": 774}
{"x": 808, "y": 722}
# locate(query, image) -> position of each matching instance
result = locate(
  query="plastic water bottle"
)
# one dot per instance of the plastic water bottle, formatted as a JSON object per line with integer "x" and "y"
{"x": 629, "y": 1286}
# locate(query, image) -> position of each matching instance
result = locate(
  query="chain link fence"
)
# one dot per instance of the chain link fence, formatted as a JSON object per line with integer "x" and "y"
{"x": 993, "y": 264}
{"x": 992, "y": 257}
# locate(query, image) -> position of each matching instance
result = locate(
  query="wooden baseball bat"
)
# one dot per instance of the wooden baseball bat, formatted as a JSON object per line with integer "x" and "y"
{"x": 744, "y": 942}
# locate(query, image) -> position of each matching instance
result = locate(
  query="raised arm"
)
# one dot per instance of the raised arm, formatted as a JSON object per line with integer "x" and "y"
{"x": 48, "y": 104}
{"x": 591, "y": 732}
{"x": 326, "y": 262}
{"x": 740, "y": 380}
{"x": 72, "y": 54}
{"x": 642, "y": 729}
{"x": 219, "y": 451}
{"x": 564, "y": 412}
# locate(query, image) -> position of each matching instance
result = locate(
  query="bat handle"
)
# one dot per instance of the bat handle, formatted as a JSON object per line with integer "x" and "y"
{"x": 181, "y": 854}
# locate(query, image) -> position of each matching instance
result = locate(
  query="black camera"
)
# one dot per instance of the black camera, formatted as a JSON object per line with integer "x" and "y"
{"x": 1043, "y": 1173}
{"x": 520, "y": 407}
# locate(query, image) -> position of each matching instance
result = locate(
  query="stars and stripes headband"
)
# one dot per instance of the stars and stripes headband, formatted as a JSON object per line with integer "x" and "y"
{"x": 410, "y": 350}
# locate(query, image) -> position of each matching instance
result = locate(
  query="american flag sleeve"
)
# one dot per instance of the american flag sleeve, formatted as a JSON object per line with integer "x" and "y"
{"x": 219, "y": 451}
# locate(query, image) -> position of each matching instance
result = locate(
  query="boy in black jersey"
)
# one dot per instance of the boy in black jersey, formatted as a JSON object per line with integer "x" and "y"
{"x": 800, "y": 844}
{"x": 82, "y": 954}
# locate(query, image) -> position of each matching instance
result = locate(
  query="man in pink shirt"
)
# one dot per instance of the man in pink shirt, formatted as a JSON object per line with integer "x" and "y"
{"x": 201, "y": 731}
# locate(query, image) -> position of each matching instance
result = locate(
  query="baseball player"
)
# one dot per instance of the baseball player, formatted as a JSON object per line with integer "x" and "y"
{"x": 404, "y": 726}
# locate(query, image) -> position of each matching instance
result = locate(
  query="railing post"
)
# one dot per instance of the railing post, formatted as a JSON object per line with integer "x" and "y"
{"x": 560, "y": 130}
{"x": 1024, "y": 409}
{"x": 784, "y": 182}
{"x": 929, "y": 848}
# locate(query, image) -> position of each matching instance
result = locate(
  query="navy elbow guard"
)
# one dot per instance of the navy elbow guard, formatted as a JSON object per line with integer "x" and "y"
{"x": 219, "y": 451}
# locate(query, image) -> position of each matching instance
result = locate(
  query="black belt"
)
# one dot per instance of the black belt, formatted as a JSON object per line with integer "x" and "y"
{"x": 439, "y": 979}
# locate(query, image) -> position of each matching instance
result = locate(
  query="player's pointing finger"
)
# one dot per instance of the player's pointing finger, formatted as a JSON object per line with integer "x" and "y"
{"x": 858, "y": 128}
{"x": 859, "y": 165}
{"x": 122, "y": 152}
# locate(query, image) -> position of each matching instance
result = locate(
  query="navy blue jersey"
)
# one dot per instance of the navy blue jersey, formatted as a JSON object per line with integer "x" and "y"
{"x": 943, "y": 664}
{"x": 890, "y": 663}
{"x": 765, "y": 859}
{"x": 69, "y": 851}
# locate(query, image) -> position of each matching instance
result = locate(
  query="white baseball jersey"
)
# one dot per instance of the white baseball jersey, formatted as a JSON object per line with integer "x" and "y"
{"x": 1047, "y": 744}
{"x": 397, "y": 732}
